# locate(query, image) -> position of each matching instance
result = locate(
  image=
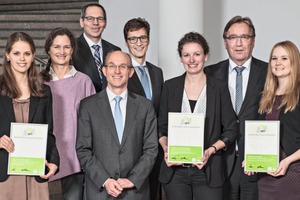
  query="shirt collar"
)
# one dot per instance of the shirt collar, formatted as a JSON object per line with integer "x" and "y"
{"x": 136, "y": 64}
{"x": 70, "y": 73}
{"x": 90, "y": 42}
{"x": 112, "y": 95}
{"x": 247, "y": 64}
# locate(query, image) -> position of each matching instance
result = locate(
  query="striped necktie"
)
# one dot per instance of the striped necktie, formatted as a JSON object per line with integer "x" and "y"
{"x": 239, "y": 88}
{"x": 98, "y": 60}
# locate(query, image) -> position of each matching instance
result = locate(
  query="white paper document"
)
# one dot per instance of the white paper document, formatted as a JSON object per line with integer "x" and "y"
{"x": 185, "y": 137}
{"x": 262, "y": 145}
{"x": 30, "y": 149}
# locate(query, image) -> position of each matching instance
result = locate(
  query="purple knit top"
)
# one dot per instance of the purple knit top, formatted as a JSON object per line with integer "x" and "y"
{"x": 67, "y": 94}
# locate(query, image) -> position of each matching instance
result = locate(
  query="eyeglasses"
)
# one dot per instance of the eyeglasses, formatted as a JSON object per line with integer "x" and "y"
{"x": 121, "y": 67}
{"x": 92, "y": 19}
{"x": 133, "y": 40}
{"x": 243, "y": 38}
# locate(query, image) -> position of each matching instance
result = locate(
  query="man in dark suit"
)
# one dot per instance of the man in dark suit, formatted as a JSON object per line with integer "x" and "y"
{"x": 239, "y": 40}
{"x": 136, "y": 35}
{"x": 92, "y": 49}
{"x": 117, "y": 140}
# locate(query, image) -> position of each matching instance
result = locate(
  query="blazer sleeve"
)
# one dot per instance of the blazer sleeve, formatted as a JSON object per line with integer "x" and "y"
{"x": 143, "y": 167}
{"x": 229, "y": 121}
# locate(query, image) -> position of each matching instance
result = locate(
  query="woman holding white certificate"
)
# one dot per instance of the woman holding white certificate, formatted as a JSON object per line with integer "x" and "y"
{"x": 24, "y": 99}
{"x": 195, "y": 92}
{"x": 280, "y": 101}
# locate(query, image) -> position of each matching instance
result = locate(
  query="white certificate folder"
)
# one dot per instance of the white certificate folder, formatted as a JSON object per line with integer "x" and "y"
{"x": 29, "y": 155}
{"x": 262, "y": 145}
{"x": 185, "y": 137}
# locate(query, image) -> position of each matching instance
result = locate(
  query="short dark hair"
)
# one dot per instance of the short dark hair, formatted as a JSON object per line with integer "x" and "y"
{"x": 193, "y": 37}
{"x": 239, "y": 19}
{"x": 83, "y": 10}
{"x": 136, "y": 24}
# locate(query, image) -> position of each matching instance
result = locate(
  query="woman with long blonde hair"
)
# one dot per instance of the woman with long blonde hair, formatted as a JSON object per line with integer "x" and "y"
{"x": 280, "y": 101}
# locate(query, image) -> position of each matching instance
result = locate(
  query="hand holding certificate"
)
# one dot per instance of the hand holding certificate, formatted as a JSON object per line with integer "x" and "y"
{"x": 185, "y": 137}
{"x": 261, "y": 145}
{"x": 30, "y": 149}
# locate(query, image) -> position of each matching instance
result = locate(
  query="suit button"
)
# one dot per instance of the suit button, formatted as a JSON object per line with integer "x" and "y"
{"x": 117, "y": 175}
{"x": 238, "y": 121}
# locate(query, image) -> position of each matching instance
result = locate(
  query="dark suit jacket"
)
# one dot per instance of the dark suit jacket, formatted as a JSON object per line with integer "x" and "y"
{"x": 220, "y": 123}
{"x": 102, "y": 156}
{"x": 157, "y": 80}
{"x": 84, "y": 61}
{"x": 40, "y": 111}
{"x": 289, "y": 130}
{"x": 249, "y": 109}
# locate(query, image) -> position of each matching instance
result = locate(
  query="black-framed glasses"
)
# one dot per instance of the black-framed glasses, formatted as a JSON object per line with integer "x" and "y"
{"x": 143, "y": 39}
{"x": 112, "y": 66}
{"x": 243, "y": 38}
{"x": 92, "y": 19}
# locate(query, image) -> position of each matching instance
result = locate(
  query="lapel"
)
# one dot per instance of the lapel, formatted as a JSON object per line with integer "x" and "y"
{"x": 85, "y": 51}
{"x": 178, "y": 94}
{"x": 210, "y": 109}
{"x": 8, "y": 107}
{"x": 33, "y": 107}
{"x": 131, "y": 110}
{"x": 152, "y": 79}
{"x": 106, "y": 114}
{"x": 136, "y": 81}
{"x": 87, "y": 59}
{"x": 222, "y": 71}
{"x": 254, "y": 77}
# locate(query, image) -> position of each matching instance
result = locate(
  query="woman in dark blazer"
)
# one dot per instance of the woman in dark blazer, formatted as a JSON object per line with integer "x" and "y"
{"x": 23, "y": 99}
{"x": 194, "y": 92}
{"x": 280, "y": 101}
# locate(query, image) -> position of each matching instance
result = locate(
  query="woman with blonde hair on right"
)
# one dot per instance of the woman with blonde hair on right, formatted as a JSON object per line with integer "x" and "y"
{"x": 280, "y": 101}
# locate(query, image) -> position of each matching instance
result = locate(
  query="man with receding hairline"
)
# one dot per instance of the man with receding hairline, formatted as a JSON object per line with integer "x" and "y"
{"x": 246, "y": 77}
{"x": 117, "y": 137}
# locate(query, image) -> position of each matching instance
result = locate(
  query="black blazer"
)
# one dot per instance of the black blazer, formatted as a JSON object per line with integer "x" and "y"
{"x": 289, "y": 130}
{"x": 84, "y": 61}
{"x": 249, "y": 109}
{"x": 157, "y": 80}
{"x": 40, "y": 111}
{"x": 220, "y": 123}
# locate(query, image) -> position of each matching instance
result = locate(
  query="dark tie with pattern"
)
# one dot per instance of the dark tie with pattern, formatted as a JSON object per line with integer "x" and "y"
{"x": 98, "y": 60}
{"x": 145, "y": 82}
{"x": 239, "y": 88}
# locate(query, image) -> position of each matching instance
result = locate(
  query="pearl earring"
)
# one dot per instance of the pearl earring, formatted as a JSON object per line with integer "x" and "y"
{"x": 8, "y": 59}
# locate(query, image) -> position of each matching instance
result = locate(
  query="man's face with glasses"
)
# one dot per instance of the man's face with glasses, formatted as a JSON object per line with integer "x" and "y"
{"x": 93, "y": 23}
{"x": 239, "y": 43}
{"x": 137, "y": 43}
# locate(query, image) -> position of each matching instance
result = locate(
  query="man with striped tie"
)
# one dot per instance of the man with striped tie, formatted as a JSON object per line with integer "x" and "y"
{"x": 92, "y": 49}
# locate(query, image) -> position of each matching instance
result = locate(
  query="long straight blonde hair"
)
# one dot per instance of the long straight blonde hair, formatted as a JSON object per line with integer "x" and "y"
{"x": 291, "y": 95}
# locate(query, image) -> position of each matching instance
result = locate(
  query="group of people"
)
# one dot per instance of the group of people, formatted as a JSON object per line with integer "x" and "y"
{"x": 107, "y": 114}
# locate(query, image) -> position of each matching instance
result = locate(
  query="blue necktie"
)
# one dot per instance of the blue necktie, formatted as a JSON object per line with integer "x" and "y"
{"x": 239, "y": 89}
{"x": 98, "y": 60}
{"x": 118, "y": 118}
{"x": 145, "y": 82}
